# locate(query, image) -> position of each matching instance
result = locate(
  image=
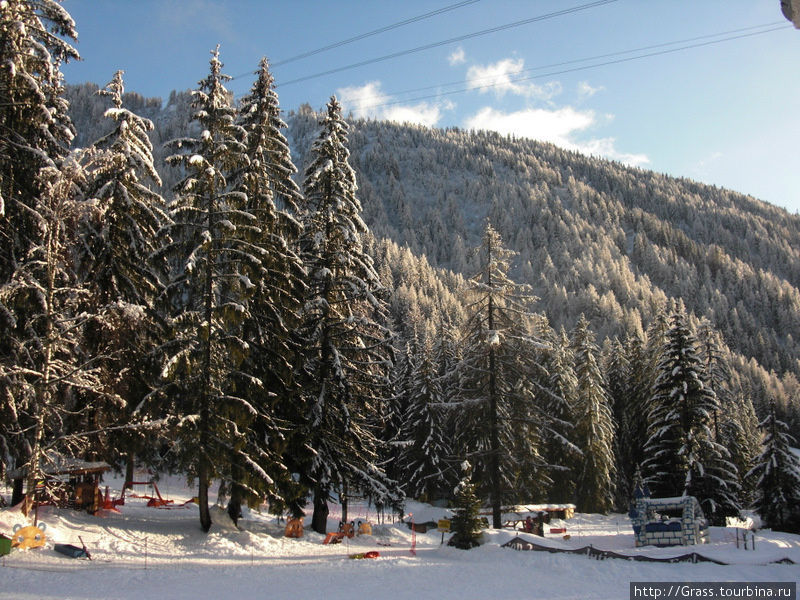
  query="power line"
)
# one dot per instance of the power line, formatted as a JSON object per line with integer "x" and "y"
{"x": 362, "y": 36}
{"x": 588, "y": 58}
{"x": 572, "y": 70}
{"x": 461, "y": 38}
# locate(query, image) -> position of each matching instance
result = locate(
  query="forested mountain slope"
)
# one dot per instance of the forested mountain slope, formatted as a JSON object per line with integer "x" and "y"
{"x": 594, "y": 237}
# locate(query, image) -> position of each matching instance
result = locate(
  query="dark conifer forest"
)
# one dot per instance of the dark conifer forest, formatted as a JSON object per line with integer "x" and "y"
{"x": 295, "y": 304}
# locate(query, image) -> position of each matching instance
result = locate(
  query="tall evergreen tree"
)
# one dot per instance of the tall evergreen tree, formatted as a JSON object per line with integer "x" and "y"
{"x": 118, "y": 234}
{"x": 561, "y": 453}
{"x": 683, "y": 458}
{"x": 395, "y": 409}
{"x": 35, "y": 131}
{"x": 47, "y": 371}
{"x": 274, "y": 302}
{"x": 618, "y": 377}
{"x": 642, "y": 357}
{"x": 495, "y": 387}
{"x": 34, "y": 134}
{"x": 426, "y": 452}
{"x": 777, "y": 476}
{"x": 347, "y": 350}
{"x": 740, "y": 434}
{"x": 717, "y": 372}
{"x": 206, "y": 381}
{"x": 594, "y": 426}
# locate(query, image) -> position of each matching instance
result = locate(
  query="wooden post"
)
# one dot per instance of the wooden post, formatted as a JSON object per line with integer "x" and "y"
{"x": 413, "y": 537}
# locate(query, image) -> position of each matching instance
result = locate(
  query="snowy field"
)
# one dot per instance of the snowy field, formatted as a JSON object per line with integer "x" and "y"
{"x": 146, "y": 552}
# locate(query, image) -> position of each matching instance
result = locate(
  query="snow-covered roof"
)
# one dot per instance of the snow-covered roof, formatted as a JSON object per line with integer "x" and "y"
{"x": 58, "y": 464}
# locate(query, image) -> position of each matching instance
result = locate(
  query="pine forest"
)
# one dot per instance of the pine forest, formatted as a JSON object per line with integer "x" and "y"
{"x": 294, "y": 304}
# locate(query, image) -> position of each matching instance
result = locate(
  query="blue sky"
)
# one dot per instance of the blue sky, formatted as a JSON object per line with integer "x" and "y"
{"x": 725, "y": 113}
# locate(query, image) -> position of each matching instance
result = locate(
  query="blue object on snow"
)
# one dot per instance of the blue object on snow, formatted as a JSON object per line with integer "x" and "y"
{"x": 70, "y": 550}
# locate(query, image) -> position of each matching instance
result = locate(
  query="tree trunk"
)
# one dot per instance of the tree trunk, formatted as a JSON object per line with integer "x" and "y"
{"x": 319, "y": 521}
{"x": 343, "y": 502}
{"x": 202, "y": 492}
{"x": 235, "y": 502}
{"x": 494, "y": 436}
{"x": 16, "y": 492}
{"x": 203, "y": 466}
{"x": 130, "y": 463}
{"x": 235, "y": 506}
{"x": 494, "y": 443}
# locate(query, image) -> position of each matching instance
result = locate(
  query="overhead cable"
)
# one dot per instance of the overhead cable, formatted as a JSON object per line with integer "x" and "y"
{"x": 438, "y": 86}
{"x": 460, "y": 38}
{"x": 574, "y": 69}
{"x": 362, "y": 36}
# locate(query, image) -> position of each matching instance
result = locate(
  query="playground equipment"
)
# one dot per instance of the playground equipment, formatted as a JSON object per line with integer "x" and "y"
{"x": 364, "y": 528}
{"x": 294, "y": 528}
{"x": 345, "y": 530}
{"x": 370, "y": 554}
{"x": 668, "y": 521}
{"x": 156, "y": 500}
{"x": 31, "y": 536}
{"x": 66, "y": 482}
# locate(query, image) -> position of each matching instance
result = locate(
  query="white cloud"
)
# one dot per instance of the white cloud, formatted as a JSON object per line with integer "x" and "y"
{"x": 560, "y": 127}
{"x": 548, "y": 125}
{"x": 605, "y": 147}
{"x": 457, "y": 57}
{"x": 368, "y": 101}
{"x": 362, "y": 100}
{"x": 423, "y": 113}
{"x": 587, "y": 91}
{"x": 499, "y": 78}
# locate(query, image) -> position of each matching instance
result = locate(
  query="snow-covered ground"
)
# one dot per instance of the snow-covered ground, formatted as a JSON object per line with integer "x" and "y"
{"x": 146, "y": 552}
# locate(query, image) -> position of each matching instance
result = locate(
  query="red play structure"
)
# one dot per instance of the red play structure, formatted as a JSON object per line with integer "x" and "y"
{"x": 157, "y": 500}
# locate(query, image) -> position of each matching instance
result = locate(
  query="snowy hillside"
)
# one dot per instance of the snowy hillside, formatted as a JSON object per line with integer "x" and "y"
{"x": 594, "y": 237}
{"x": 148, "y": 552}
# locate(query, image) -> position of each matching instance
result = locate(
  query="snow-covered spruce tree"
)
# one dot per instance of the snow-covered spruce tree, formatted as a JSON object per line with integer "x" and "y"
{"x": 206, "y": 385}
{"x": 740, "y": 434}
{"x": 717, "y": 372}
{"x": 117, "y": 235}
{"x": 682, "y": 456}
{"x": 643, "y": 356}
{"x": 466, "y": 522}
{"x": 562, "y": 455}
{"x": 347, "y": 350}
{"x": 594, "y": 426}
{"x": 447, "y": 356}
{"x": 495, "y": 399}
{"x": 424, "y": 462}
{"x": 274, "y": 302}
{"x": 618, "y": 376}
{"x": 271, "y": 168}
{"x": 777, "y": 477}
{"x": 734, "y": 423}
{"x": 395, "y": 408}
{"x": 35, "y": 131}
{"x": 46, "y": 369}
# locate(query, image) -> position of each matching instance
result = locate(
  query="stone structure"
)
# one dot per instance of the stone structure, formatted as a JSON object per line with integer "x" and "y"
{"x": 651, "y": 527}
